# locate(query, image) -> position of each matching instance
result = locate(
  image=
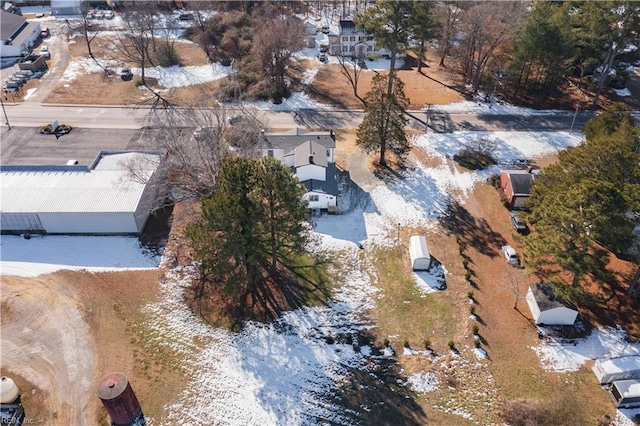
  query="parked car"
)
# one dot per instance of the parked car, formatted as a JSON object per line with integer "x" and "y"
{"x": 44, "y": 51}
{"x": 40, "y": 15}
{"x": 109, "y": 14}
{"x": 185, "y": 17}
{"x": 126, "y": 74}
{"x": 322, "y": 57}
{"x": 518, "y": 224}
{"x": 44, "y": 33}
{"x": 510, "y": 255}
{"x": 99, "y": 14}
{"x": 324, "y": 48}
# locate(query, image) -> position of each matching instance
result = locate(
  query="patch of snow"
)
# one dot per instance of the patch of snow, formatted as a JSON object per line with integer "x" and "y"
{"x": 622, "y": 92}
{"x": 176, "y": 76}
{"x": 423, "y": 382}
{"x": 297, "y": 101}
{"x": 568, "y": 355}
{"x": 625, "y": 416}
{"x": 432, "y": 280}
{"x": 493, "y": 108}
{"x": 30, "y": 93}
{"x": 480, "y": 353}
{"x": 388, "y": 352}
{"x": 50, "y": 253}
{"x": 309, "y": 75}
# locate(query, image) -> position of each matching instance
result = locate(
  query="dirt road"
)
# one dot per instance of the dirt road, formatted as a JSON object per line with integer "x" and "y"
{"x": 46, "y": 340}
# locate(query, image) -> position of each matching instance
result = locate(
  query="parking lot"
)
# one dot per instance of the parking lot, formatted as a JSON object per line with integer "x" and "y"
{"x": 26, "y": 146}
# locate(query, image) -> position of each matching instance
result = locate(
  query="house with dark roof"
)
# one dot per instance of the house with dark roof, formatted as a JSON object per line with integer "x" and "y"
{"x": 311, "y": 157}
{"x": 18, "y": 36}
{"x": 516, "y": 185}
{"x": 546, "y": 308}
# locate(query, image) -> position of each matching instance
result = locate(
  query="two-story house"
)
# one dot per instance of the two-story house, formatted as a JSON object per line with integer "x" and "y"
{"x": 355, "y": 42}
{"x": 311, "y": 157}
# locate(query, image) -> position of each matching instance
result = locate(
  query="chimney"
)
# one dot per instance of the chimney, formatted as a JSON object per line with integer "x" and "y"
{"x": 311, "y": 159}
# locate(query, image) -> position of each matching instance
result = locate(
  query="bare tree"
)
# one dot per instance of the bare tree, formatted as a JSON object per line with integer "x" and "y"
{"x": 136, "y": 43}
{"x": 195, "y": 142}
{"x": 351, "y": 69}
{"x": 448, "y": 14}
{"x": 277, "y": 36}
{"x": 486, "y": 26}
{"x": 515, "y": 286}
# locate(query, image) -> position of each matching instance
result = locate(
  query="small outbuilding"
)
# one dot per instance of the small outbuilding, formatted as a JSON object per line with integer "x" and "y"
{"x": 419, "y": 253}
{"x": 547, "y": 308}
{"x": 621, "y": 368}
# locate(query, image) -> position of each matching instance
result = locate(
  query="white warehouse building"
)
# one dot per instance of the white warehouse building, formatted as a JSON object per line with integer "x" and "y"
{"x": 101, "y": 199}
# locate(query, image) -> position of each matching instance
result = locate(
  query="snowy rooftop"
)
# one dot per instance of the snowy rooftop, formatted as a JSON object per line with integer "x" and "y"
{"x": 73, "y": 189}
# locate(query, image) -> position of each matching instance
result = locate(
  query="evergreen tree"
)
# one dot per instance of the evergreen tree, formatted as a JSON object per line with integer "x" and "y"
{"x": 579, "y": 206}
{"x": 382, "y": 128}
{"x": 423, "y": 28}
{"x": 389, "y": 21}
{"x": 251, "y": 226}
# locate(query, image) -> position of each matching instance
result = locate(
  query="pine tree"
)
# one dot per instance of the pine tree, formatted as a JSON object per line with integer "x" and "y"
{"x": 579, "y": 206}
{"x": 252, "y": 224}
{"x": 382, "y": 128}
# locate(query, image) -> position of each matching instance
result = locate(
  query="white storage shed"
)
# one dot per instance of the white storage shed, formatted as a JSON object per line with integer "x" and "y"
{"x": 546, "y": 308}
{"x": 621, "y": 368}
{"x": 419, "y": 253}
{"x": 70, "y": 199}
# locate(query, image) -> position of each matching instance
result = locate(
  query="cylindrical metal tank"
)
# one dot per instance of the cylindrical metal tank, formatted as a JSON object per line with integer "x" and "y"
{"x": 9, "y": 392}
{"x": 118, "y": 398}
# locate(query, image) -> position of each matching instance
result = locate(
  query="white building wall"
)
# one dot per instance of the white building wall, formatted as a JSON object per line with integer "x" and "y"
{"x": 311, "y": 171}
{"x": 323, "y": 202}
{"x": 89, "y": 223}
{"x": 557, "y": 316}
{"x": 278, "y": 154}
{"x": 533, "y": 305}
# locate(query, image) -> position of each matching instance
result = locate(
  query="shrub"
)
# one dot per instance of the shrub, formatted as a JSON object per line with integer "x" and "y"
{"x": 470, "y": 294}
{"x": 349, "y": 339}
{"x": 452, "y": 345}
{"x": 475, "y": 329}
{"x": 472, "y": 309}
{"x": 465, "y": 263}
{"x": 427, "y": 345}
{"x": 467, "y": 276}
{"x": 330, "y": 340}
{"x": 477, "y": 343}
{"x": 386, "y": 343}
{"x": 167, "y": 55}
{"x": 406, "y": 344}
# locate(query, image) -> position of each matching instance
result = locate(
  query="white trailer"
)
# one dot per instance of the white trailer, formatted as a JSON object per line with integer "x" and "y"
{"x": 626, "y": 393}
{"x": 622, "y": 368}
{"x": 419, "y": 253}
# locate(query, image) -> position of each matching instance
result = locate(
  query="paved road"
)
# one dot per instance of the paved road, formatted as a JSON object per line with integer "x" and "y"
{"x": 114, "y": 117}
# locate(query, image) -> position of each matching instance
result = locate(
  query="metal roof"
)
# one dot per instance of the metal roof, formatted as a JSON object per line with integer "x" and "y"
{"x": 9, "y": 24}
{"x": 65, "y": 191}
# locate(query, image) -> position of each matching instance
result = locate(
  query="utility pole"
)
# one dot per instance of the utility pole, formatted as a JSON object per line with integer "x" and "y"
{"x": 6, "y": 119}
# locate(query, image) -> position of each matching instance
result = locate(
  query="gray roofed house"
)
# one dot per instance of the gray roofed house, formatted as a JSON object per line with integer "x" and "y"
{"x": 311, "y": 157}
{"x": 309, "y": 152}
{"x": 18, "y": 35}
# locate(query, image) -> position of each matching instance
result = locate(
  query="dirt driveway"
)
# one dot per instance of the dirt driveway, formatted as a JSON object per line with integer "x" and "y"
{"x": 46, "y": 340}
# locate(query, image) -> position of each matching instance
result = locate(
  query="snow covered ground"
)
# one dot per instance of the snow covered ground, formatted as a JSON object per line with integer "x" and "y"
{"x": 284, "y": 373}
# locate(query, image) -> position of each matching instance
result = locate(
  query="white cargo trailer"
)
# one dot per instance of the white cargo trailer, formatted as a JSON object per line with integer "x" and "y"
{"x": 622, "y": 368}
